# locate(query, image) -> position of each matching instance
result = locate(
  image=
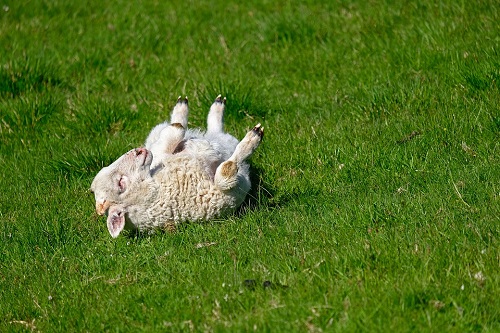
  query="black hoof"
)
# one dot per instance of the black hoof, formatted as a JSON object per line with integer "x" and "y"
{"x": 259, "y": 130}
{"x": 219, "y": 99}
{"x": 182, "y": 100}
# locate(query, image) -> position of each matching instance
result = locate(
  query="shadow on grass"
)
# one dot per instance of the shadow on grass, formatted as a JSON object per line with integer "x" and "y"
{"x": 261, "y": 195}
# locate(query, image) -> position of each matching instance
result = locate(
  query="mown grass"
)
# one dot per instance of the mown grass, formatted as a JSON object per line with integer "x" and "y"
{"x": 376, "y": 201}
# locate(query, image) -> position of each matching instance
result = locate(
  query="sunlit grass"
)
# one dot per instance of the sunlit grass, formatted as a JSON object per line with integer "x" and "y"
{"x": 375, "y": 204}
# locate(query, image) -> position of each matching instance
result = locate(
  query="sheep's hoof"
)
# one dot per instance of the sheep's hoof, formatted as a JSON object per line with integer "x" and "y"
{"x": 259, "y": 130}
{"x": 219, "y": 99}
{"x": 182, "y": 100}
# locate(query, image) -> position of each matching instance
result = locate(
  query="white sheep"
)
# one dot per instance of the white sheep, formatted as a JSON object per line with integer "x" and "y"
{"x": 180, "y": 175}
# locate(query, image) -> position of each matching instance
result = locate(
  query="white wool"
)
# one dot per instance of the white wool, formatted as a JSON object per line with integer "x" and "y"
{"x": 181, "y": 175}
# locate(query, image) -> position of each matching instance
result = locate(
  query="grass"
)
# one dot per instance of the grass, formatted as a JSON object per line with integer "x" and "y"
{"x": 376, "y": 202}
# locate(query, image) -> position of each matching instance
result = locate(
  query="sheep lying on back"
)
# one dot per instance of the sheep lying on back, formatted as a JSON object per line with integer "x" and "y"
{"x": 180, "y": 175}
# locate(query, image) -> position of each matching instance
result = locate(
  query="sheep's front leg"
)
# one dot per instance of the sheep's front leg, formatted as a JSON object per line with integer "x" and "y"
{"x": 215, "y": 120}
{"x": 162, "y": 133}
{"x": 180, "y": 112}
{"x": 228, "y": 173}
{"x": 171, "y": 136}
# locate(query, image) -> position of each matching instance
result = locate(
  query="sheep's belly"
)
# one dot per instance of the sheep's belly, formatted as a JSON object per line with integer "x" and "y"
{"x": 188, "y": 193}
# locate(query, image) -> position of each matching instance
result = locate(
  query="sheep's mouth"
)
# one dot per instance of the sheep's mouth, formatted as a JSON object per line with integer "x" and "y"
{"x": 102, "y": 207}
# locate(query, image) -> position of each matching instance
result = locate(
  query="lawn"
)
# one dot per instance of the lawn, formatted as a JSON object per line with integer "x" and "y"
{"x": 376, "y": 198}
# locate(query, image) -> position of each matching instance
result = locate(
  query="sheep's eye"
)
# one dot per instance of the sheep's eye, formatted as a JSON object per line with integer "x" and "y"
{"x": 121, "y": 184}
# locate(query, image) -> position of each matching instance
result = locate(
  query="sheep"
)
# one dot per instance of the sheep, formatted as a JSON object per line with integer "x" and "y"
{"x": 179, "y": 175}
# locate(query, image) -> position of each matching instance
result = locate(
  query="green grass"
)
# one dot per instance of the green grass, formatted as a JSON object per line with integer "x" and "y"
{"x": 376, "y": 203}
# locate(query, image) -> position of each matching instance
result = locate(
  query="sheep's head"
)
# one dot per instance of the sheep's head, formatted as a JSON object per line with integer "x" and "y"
{"x": 120, "y": 185}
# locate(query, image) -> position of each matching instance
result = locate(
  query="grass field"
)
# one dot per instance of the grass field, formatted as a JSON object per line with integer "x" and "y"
{"x": 376, "y": 202}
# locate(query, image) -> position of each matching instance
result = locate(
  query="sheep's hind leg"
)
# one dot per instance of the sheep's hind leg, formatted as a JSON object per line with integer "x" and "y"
{"x": 215, "y": 120}
{"x": 226, "y": 175}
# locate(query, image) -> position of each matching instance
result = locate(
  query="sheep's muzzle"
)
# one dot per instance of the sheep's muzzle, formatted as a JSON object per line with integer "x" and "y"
{"x": 102, "y": 207}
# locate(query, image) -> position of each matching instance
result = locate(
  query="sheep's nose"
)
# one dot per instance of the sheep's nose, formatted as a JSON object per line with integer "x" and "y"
{"x": 140, "y": 151}
{"x": 101, "y": 207}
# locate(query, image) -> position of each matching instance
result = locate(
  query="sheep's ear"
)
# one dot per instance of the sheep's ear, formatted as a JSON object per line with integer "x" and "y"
{"x": 116, "y": 221}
